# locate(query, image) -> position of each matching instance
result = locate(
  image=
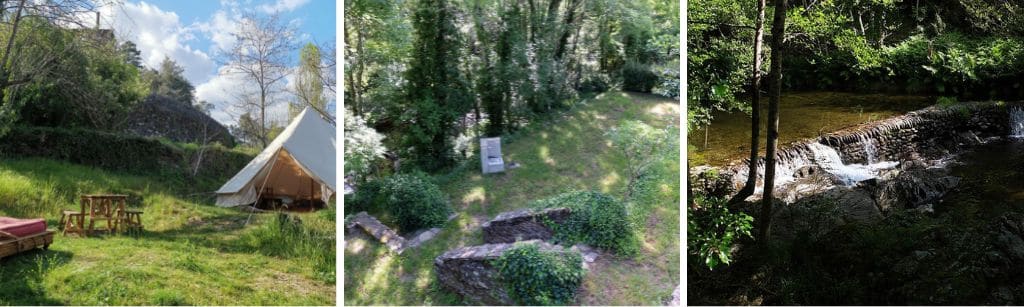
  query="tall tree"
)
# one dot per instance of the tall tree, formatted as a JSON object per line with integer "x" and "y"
{"x": 774, "y": 94}
{"x": 260, "y": 55}
{"x": 169, "y": 80}
{"x": 131, "y": 53}
{"x": 309, "y": 87}
{"x": 755, "y": 108}
{"x": 26, "y": 56}
{"x": 436, "y": 93}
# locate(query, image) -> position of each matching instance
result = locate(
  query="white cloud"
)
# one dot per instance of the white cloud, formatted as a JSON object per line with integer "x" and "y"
{"x": 282, "y": 6}
{"x": 225, "y": 90}
{"x": 158, "y": 34}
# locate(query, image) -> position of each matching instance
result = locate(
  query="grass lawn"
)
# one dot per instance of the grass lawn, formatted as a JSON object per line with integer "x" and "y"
{"x": 192, "y": 253}
{"x": 558, "y": 155}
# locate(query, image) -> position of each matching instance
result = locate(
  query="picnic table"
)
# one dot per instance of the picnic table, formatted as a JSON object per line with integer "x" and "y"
{"x": 103, "y": 208}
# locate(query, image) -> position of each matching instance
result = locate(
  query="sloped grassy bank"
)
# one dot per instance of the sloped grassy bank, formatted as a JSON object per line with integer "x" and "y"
{"x": 565, "y": 153}
{"x": 191, "y": 252}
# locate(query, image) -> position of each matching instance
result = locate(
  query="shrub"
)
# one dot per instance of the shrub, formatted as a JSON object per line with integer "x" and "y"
{"x": 413, "y": 201}
{"x": 712, "y": 229}
{"x": 642, "y": 146}
{"x": 535, "y": 277}
{"x": 595, "y": 83}
{"x": 364, "y": 198}
{"x": 597, "y": 219}
{"x": 638, "y": 77}
{"x": 363, "y": 147}
{"x": 120, "y": 152}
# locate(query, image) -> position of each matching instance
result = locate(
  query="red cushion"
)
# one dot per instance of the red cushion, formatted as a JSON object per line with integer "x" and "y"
{"x": 21, "y": 228}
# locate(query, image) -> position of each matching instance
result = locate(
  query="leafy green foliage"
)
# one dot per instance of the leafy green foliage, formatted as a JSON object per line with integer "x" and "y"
{"x": 170, "y": 81}
{"x": 642, "y": 146}
{"x": 638, "y": 77}
{"x": 88, "y": 86}
{"x": 413, "y": 201}
{"x": 363, "y": 147}
{"x": 133, "y": 154}
{"x": 712, "y": 230}
{"x": 436, "y": 94}
{"x": 536, "y": 277}
{"x": 597, "y": 219}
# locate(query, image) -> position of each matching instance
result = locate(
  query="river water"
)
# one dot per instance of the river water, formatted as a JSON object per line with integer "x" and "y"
{"x": 801, "y": 116}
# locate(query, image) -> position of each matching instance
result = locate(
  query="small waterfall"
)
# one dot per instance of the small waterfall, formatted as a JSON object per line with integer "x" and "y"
{"x": 828, "y": 159}
{"x": 1017, "y": 122}
{"x": 869, "y": 149}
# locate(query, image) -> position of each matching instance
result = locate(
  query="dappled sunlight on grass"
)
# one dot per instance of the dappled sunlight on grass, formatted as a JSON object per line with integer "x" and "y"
{"x": 567, "y": 153}
{"x": 609, "y": 181}
{"x": 355, "y": 246}
{"x": 423, "y": 278}
{"x": 544, "y": 154}
{"x": 476, "y": 194}
{"x": 665, "y": 110}
{"x": 379, "y": 275}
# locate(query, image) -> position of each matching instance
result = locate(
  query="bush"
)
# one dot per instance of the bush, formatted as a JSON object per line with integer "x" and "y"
{"x": 536, "y": 277}
{"x": 364, "y": 198}
{"x": 712, "y": 230}
{"x": 638, "y": 77}
{"x": 597, "y": 219}
{"x": 595, "y": 83}
{"x": 413, "y": 201}
{"x": 120, "y": 152}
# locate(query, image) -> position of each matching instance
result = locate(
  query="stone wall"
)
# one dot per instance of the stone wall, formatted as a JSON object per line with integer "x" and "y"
{"x": 521, "y": 225}
{"x": 469, "y": 271}
{"x": 927, "y": 133}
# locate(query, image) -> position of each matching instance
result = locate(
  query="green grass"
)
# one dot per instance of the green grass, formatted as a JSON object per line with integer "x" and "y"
{"x": 566, "y": 153}
{"x": 192, "y": 253}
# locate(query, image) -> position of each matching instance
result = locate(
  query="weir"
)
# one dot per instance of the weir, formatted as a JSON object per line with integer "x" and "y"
{"x": 863, "y": 152}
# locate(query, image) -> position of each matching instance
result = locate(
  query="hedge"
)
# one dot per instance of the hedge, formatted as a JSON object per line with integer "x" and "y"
{"x": 118, "y": 152}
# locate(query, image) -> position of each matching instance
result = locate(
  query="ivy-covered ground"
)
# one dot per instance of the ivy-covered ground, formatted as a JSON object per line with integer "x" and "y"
{"x": 570, "y": 152}
{"x": 192, "y": 252}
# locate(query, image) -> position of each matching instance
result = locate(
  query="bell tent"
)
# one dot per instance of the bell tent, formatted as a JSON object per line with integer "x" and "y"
{"x": 298, "y": 165}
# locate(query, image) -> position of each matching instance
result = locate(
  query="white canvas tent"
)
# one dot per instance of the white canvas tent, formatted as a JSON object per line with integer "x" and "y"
{"x": 298, "y": 164}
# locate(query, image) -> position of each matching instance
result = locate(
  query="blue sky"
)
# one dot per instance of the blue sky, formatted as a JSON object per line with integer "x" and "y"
{"x": 191, "y": 32}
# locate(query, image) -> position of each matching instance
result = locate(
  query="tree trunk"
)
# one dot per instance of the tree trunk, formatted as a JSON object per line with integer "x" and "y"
{"x": 774, "y": 93}
{"x": 570, "y": 19}
{"x": 360, "y": 69}
{"x": 755, "y": 111}
{"x": 5, "y": 73}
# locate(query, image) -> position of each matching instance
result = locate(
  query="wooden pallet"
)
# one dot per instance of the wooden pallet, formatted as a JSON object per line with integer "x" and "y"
{"x": 11, "y": 244}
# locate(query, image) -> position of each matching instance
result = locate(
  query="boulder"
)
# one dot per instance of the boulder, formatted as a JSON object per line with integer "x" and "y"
{"x": 714, "y": 182}
{"x": 914, "y": 187}
{"x": 469, "y": 271}
{"x": 524, "y": 224}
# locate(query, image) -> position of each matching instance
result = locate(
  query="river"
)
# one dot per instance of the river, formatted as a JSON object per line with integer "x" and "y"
{"x": 801, "y": 116}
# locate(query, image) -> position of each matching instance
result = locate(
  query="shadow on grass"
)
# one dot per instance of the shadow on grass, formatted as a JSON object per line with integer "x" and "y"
{"x": 21, "y": 276}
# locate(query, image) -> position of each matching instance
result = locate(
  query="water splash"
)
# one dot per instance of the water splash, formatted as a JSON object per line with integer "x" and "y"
{"x": 828, "y": 159}
{"x": 869, "y": 150}
{"x": 1017, "y": 122}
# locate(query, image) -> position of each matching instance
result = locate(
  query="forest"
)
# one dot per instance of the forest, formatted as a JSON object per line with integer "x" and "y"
{"x": 854, "y": 151}
{"x": 578, "y": 103}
